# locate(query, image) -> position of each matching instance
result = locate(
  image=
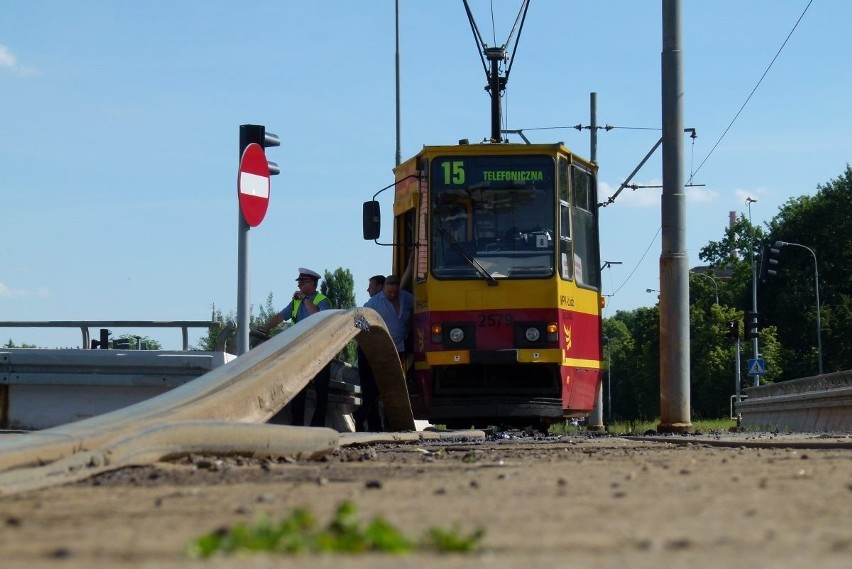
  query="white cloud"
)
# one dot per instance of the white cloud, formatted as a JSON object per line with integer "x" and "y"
{"x": 697, "y": 194}
{"x": 9, "y": 61}
{"x": 743, "y": 195}
{"x": 6, "y": 292}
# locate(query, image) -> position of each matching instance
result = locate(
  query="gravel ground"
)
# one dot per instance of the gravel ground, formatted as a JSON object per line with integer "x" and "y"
{"x": 718, "y": 500}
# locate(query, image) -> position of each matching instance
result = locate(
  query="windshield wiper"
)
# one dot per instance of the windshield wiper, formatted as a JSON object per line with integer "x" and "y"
{"x": 470, "y": 260}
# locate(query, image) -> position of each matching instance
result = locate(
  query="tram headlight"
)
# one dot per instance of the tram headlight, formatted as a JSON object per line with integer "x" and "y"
{"x": 532, "y": 334}
{"x": 456, "y": 335}
{"x": 552, "y": 332}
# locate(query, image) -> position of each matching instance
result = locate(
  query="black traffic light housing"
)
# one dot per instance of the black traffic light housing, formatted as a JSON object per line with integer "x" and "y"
{"x": 733, "y": 333}
{"x": 256, "y": 133}
{"x": 769, "y": 260}
{"x": 103, "y": 343}
{"x": 752, "y": 325}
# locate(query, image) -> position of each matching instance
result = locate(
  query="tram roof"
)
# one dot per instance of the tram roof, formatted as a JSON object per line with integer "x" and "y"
{"x": 507, "y": 148}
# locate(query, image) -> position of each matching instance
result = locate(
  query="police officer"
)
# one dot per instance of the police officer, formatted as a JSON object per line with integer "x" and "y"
{"x": 306, "y": 301}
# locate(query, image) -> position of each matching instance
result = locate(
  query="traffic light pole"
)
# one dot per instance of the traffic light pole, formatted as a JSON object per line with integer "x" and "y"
{"x": 737, "y": 373}
{"x": 754, "y": 340}
{"x": 243, "y": 307}
{"x": 249, "y": 134}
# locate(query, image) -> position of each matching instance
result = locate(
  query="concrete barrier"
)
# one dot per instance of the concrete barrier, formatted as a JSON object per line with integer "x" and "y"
{"x": 813, "y": 404}
{"x": 41, "y": 389}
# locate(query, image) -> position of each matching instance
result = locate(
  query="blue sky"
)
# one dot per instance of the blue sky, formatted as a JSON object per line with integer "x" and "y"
{"x": 119, "y": 137}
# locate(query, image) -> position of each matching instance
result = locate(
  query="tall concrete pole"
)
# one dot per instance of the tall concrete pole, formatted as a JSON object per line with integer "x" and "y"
{"x": 596, "y": 416}
{"x": 674, "y": 262}
{"x": 398, "y": 157}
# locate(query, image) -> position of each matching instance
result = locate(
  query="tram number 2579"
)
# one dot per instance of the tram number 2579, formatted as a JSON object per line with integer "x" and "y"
{"x": 494, "y": 320}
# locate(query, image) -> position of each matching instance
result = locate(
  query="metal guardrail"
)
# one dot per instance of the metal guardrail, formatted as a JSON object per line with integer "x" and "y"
{"x": 813, "y": 404}
{"x": 84, "y": 326}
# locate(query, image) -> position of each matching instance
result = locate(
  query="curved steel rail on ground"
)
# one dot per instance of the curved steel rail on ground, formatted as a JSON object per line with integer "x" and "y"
{"x": 223, "y": 411}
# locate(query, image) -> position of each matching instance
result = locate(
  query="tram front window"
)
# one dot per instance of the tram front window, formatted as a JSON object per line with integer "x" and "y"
{"x": 495, "y": 228}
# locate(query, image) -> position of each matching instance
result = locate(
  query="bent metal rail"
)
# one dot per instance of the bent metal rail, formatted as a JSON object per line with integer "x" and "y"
{"x": 207, "y": 413}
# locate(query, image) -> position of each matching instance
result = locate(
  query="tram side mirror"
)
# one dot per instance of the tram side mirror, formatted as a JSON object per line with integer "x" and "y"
{"x": 372, "y": 220}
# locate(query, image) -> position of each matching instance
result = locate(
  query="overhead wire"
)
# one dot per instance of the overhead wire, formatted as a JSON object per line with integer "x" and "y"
{"x": 796, "y": 25}
{"x": 694, "y": 172}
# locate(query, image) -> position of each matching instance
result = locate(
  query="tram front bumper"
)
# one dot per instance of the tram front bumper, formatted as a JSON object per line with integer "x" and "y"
{"x": 494, "y": 357}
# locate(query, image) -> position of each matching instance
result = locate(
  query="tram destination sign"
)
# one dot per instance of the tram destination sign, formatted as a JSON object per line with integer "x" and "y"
{"x": 499, "y": 170}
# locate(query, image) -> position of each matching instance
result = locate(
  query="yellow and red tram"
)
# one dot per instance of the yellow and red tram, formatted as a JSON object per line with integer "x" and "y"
{"x": 499, "y": 245}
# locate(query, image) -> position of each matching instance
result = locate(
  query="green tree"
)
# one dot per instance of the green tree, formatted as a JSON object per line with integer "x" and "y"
{"x": 227, "y": 326}
{"x": 339, "y": 287}
{"x": 11, "y": 344}
{"x": 148, "y": 343}
{"x": 730, "y": 258}
{"x": 822, "y": 222}
{"x": 634, "y": 358}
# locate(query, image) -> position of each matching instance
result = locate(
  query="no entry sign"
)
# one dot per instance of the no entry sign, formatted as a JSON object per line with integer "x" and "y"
{"x": 253, "y": 184}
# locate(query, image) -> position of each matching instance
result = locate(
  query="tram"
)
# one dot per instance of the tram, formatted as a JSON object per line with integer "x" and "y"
{"x": 499, "y": 245}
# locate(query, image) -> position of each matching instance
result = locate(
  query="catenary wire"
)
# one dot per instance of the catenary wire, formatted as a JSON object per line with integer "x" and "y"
{"x": 752, "y": 91}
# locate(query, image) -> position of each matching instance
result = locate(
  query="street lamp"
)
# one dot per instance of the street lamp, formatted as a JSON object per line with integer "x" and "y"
{"x": 715, "y": 283}
{"x": 754, "y": 345}
{"x": 652, "y": 290}
{"x": 780, "y": 244}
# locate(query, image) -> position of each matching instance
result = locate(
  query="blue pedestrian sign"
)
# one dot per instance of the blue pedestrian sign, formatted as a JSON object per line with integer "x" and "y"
{"x": 756, "y": 367}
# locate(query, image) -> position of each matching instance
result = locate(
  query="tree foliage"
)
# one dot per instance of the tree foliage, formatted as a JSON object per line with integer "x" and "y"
{"x": 11, "y": 344}
{"x": 823, "y": 223}
{"x": 227, "y": 326}
{"x": 339, "y": 287}
{"x": 148, "y": 343}
{"x": 787, "y": 308}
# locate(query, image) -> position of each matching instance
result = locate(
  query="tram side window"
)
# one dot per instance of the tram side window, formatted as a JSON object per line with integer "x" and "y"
{"x": 422, "y": 244}
{"x": 566, "y": 264}
{"x": 583, "y": 222}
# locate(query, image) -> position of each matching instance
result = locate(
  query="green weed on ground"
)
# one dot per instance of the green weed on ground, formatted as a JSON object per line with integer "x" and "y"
{"x": 299, "y": 533}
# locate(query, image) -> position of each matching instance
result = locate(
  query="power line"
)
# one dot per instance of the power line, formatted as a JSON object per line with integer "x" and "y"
{"x": 639, "y": 262}
{"x": 752, "y": 91}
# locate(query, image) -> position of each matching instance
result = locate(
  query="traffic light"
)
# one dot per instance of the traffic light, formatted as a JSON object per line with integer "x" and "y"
{"x": 103, "y": 343}
{"x": 752, "y": 325}
{"x": 121, "y": 344}
{"x": 256, "y": 133}
{"x": 769, "y": 260}
{"x": 733, "y": 333}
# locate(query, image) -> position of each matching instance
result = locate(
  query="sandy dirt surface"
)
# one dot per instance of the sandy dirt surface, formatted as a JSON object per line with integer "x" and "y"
{"x": 575, "y": 501}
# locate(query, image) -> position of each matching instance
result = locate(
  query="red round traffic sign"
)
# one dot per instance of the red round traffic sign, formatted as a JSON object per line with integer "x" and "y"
{"x": 253, "y": 184}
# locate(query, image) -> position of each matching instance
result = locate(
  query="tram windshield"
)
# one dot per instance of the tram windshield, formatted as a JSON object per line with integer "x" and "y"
{"x": 492, "y": 217}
